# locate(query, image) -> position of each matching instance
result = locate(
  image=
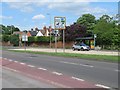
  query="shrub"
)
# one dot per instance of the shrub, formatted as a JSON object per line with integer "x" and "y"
{"x": 14, "y": 39}
{"x": 5, "y": 38}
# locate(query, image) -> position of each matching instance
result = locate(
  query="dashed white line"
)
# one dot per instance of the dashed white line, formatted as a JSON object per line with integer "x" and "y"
{"x": 31, "y": 66}
{"x": 78, "y": 79}
{"x": 5, "y": 58}
{"x": 16, "y": 61}
{"x": 86, "y": 65}
{"x": 117, "y": 70}
{"x": 57, "y": 73}
{"x": 10, "y": 60}
{"x": 11, "y": 69}
{"x": 77, "y": 64}
{"x": 102, "y": 86}
{"x": 22, "y": 63}
{"x": 42, "y": 68}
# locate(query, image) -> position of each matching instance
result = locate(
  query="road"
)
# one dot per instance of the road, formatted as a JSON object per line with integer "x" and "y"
{"x": 103, "y": 73}
{"x": 12, "y": 79}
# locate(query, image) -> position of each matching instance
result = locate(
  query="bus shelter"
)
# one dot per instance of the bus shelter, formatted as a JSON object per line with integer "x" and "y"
{"x": 87, "y": 40}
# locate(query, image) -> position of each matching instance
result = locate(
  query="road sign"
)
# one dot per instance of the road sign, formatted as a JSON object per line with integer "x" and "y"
{"x": 24, "y": 38}
{"x": 59, "y": 23}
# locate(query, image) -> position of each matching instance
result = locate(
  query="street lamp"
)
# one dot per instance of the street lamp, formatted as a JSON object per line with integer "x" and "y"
{"x": 50, "y": 28}
{"x": 94, "y": 40}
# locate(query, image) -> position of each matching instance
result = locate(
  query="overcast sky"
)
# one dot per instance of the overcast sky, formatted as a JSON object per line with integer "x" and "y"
{"x": 34, "y": 13}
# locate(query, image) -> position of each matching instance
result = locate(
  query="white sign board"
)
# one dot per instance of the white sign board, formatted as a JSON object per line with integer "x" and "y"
{"x": 59, "y": 23}
{"x": 24, "y": 38}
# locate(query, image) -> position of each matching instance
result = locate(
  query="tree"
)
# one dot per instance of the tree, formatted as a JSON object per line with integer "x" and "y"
{"x": 8, "y": 30}
{"x": 107, "y": 32}
{"x": 74, "y": 31}
{"x": 89, "y": 21}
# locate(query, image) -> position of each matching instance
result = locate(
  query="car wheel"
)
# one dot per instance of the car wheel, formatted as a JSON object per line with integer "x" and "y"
{"x": 82, "y": 49}
{"x": 73, "y": 49}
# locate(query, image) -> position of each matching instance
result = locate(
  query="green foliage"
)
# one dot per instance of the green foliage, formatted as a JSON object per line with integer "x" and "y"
{"x": 89, "y": 21}
{"x": 107, "y": 33}
{"x": 8, "y": 30}
{"x": 42, "y": 39}
{"x": 31, "y": 39}
{"x": 38, "y": 39}
{"x": 5, "y": 38}
{"x": 14, "y": 39}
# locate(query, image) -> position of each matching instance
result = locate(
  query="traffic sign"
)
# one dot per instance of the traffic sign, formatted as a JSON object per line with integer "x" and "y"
{"x": 24, "y": 38}
{"x": 59, "y": 23}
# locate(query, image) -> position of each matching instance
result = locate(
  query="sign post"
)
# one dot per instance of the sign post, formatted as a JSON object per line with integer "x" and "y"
{"x": 25, "y": 39}
{"x": 60, "y": 24}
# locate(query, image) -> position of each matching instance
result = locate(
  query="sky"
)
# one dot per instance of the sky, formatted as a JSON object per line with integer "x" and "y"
{"x": 34, "y": 13}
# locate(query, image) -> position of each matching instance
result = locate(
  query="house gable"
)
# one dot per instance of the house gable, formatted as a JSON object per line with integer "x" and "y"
{"x": 29, "y": 34}
{"x": 39, "y": 34}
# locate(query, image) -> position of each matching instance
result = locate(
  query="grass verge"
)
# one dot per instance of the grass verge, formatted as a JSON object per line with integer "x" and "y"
{"x": 108, "y": 58}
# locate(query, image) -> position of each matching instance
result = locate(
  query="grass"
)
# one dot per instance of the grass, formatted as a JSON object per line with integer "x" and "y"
{"x": 108, "y": 58}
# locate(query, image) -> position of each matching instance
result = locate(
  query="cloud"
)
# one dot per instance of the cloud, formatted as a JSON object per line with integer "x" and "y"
{"x": 22, "y": 6}
{"x": 6, "y": 17}
{"x": 36, "y": 17}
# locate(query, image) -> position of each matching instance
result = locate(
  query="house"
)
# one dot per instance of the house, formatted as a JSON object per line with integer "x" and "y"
{"x": 31, "y": 33}
{"x": 39, "y": 33}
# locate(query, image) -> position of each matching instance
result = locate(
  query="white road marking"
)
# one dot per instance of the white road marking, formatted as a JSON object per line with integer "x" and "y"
{"x": 31, "y": 66}
{"x": 117, "y": 70}
{"x": 16, "y": 61}
{"x": 10, "y": 60}
{"x": 22, "y": 63}
{"x": 5, "y": 58}
{"x": 57, "y": 73}
{"x": 103, "y": 86}
{"x": 69, "y": 63}
{"x": 86, "y": 65}
{"x": 42, "y": 68}
{"x": 11, "y": 69}
{"x": 78, "y": 79}
{"x": 77, "y": 64}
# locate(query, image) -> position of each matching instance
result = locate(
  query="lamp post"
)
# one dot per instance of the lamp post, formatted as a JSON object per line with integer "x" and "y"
{"x": 50, "y": 27}
{"x": 94, "y": 40}
{"x": 11, "y": 34}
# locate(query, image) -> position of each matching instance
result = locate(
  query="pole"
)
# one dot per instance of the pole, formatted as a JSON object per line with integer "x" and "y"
{"x": 94, "y": 42}
{"x": 64, "y": 41}
{"x": 11, "y": 34}
{"x": 55, "y": 43}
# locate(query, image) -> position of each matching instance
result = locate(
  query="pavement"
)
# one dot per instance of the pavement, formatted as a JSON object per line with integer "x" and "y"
{"x": 95, "y": 52}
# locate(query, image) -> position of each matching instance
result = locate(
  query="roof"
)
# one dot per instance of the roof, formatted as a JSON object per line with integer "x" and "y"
{"x": 84, "y": 38}
{"x": 33, "y": 33}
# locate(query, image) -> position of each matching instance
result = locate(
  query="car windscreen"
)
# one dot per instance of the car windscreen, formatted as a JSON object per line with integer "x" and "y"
{"x": 82, "y": 44}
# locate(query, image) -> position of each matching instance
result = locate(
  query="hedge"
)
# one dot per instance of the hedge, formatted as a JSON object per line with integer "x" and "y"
{"x": 38, "y": 39}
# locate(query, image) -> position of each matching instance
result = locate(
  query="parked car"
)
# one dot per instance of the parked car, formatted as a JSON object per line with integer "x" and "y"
{"x": 80, "y": 46}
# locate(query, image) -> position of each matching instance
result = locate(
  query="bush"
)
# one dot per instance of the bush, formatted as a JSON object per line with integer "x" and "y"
{"x": 5, "y": 38}
{"x": 14, "y": 39}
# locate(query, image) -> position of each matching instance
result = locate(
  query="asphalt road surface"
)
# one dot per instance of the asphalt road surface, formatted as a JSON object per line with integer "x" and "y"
{"x": 103, "y": 73}
{"x": 12, "y": 79}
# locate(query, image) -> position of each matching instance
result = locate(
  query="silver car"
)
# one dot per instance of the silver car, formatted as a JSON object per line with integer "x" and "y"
{"x": 80, "y": 46}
